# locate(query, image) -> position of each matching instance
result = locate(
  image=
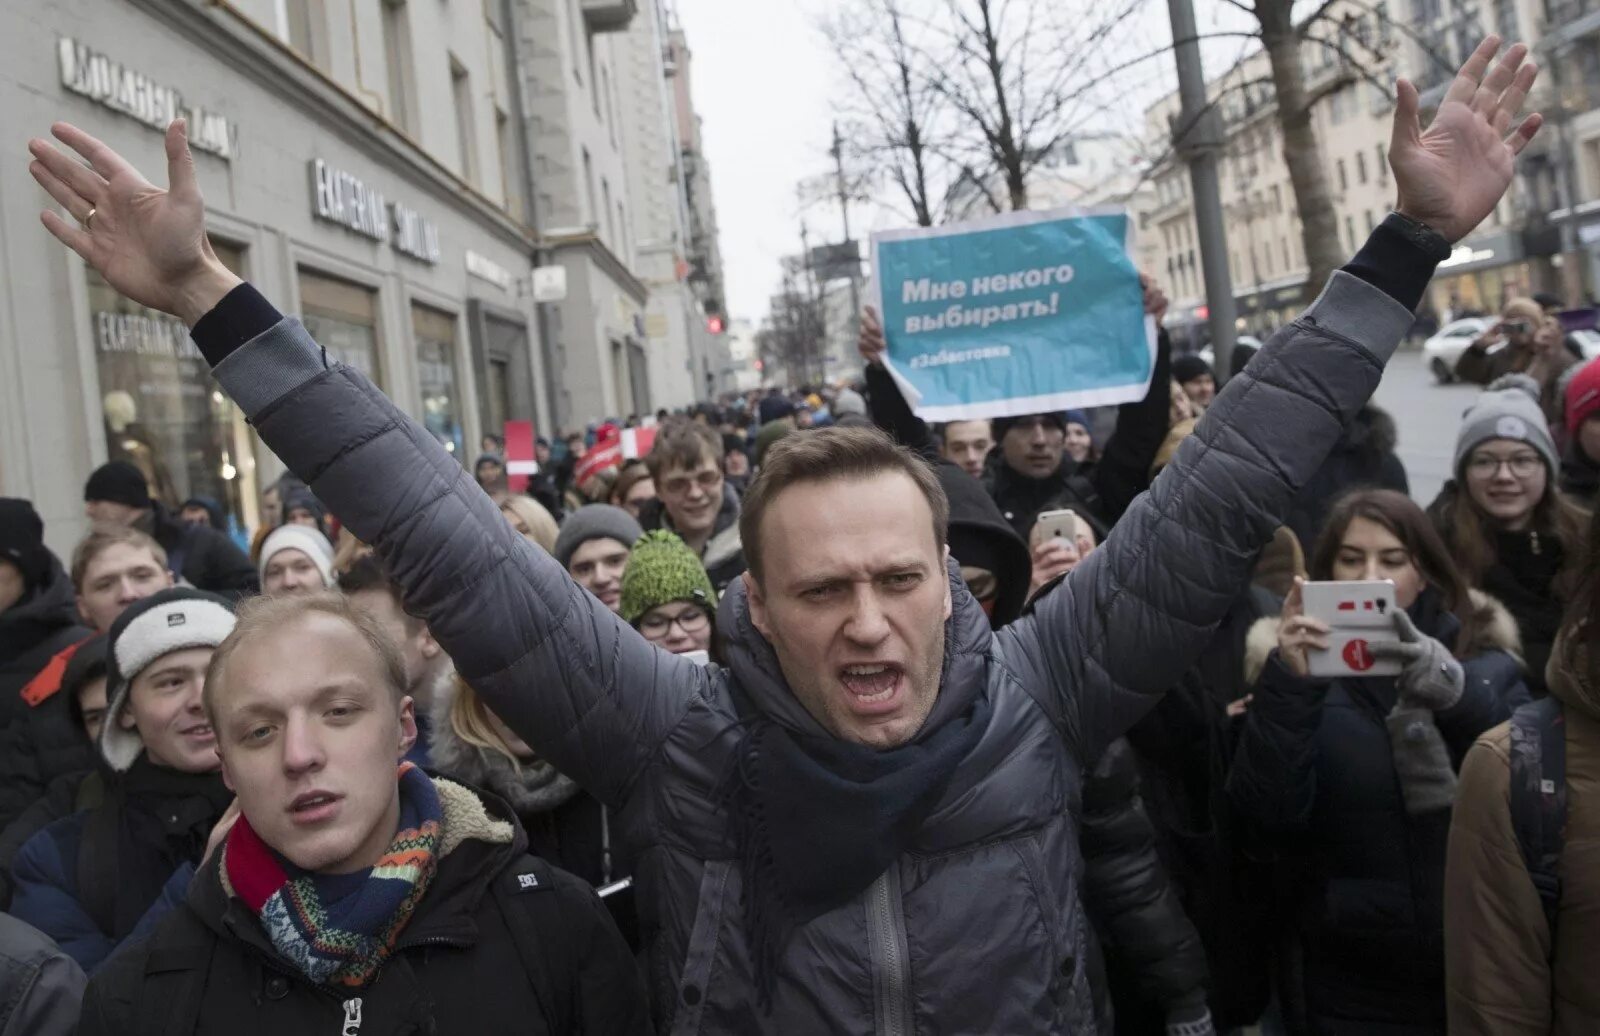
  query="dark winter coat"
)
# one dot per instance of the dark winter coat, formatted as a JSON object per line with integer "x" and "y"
{"x": 456, "y": 968}
{"x": 41, "y": 988}
{"x": 43, "y": 622}
{"x": 1315, "y": 771}
{"x": 68, "y": 794}
{"x": 206, "y": 558}
{"x": 980, "y": 537}
{"x": 1364, "y": 459}
{"x": 1580, "y": 477}
{"x": 1154, "y": 963}
{"x": 42, "y": 745}
{"x": 652, "y": 734}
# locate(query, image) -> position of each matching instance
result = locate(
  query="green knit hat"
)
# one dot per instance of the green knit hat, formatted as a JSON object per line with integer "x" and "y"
{"x": 663, "y": 569}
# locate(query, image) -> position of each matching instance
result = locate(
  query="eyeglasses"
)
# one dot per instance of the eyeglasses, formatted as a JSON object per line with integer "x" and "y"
{"x": 1484, "y": 465}
{"x": 656, "y": 627}
{"x": 678, "y": 485}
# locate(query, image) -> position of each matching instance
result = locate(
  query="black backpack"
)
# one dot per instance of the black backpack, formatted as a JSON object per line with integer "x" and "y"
{"x": 176, "y": 973}
{"x": 1539, "y": 797}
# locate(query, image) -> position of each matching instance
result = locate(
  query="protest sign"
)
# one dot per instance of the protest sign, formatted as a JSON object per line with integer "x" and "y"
{"x": 1022, "y": 313}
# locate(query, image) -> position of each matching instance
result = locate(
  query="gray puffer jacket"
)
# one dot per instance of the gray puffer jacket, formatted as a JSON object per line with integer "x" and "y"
{"x": 977, "y": 927}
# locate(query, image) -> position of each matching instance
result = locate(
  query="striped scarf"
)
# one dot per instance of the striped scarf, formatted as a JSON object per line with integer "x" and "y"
{"x": 337, "y": 930}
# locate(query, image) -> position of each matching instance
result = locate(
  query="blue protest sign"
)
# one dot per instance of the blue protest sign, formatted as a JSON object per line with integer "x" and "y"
{"x": 1023, "y": 313}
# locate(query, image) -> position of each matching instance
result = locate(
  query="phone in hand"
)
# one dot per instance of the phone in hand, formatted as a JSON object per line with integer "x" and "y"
{"x": 1356, "y": 614}
{"x": 697, "y": 657}
{"x": 1065, "y": 523}
{"x": 1516, "y": 327}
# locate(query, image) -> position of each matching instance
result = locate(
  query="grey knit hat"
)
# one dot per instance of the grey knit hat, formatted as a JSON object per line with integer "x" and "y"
{"x": 1508, "y": 409}
{"x": 593, "y": 522}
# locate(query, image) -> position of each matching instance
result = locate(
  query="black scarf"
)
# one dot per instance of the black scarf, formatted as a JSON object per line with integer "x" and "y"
{"x": 153, "y": 820}
{"x": 818, "y": 820}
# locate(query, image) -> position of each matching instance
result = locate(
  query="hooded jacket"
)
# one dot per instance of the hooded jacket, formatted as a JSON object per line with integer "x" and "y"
{"x": 206, "y": 558}
{"x": 1364, "y": 459}
{"x": 32, "y": 631}
{"x": 1506, "y": 973}
{"x": 651, "y": 735}
{"x": 1315, "y": 772}
{"x": 980, "y": 537}
{"x": 456, "y": 968}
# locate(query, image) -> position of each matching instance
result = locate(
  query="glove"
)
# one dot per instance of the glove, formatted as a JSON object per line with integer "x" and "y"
{"x": 1421, "y": 761}
{"x": 1431, "y": 677}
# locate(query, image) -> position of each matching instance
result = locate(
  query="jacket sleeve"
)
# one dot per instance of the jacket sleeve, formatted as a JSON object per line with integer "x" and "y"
{"x": 46, "y": 897}
{"x": 610, "y": 992}
{"x": 1126, "y": 891}
{"x": 20, "y": 781}
{"x": 893, "y": 414}
{"x": 574, "y": 681}
{"x": 50, "y": 1003}
{"x": 1130, "y": 619}
{"x": 1497, "y": 979}
{"x": 1474, "y": 366}
{"x": 228, "y": 570}
{"x": 1273, "y": 780}
{"x": 1123, "y": 471}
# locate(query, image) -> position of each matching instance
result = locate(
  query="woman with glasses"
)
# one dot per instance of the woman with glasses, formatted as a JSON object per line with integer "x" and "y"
{"x": 1511, "y": 531}
{"x": 667, "y": 595}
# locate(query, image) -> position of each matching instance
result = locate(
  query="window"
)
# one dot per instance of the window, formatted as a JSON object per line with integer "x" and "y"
{"x": 466, "y": 125}
{"x": 303, "y": 27}
{"x": 1344, "y": 181}
{"x": 343, "y": 318}
{"x": 1383, "y": 164}
{"x": 578, "y": 32}
{"x": 1277, "y": 200}
{"x": 1371, "y": 224}
{"x": 435, "y": 335}
{"x": 1283, "y": 244}
{"x": 163, "y": 413}
{"x": 402, "y": 79}
{"x": 605, "y": 207}
{"x": 509, "y": 186}
{"x": 610, "y": 117}
{"x": 1350, "y": 231}
{"x": 1361, "y": 167}
{"x": 623, "y": 228}
{"x": 590, "y": 216}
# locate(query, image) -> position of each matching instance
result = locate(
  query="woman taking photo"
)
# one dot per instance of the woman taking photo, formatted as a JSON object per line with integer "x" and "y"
{"x": 1512, "y": 532}
{"x": 1349, "y": 781}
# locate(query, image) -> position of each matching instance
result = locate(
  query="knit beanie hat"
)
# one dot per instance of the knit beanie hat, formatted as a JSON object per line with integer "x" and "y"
{"x": 848, "y": 401}
{"x": 771, "y": 432}
{"x": 1079, "y": 418}
{"x": 594, "y": 522}
{"x": 1583, "y": 396}
{"x": 1002, "y": 425}
{"x": 172, "y": 620}
{"x": 118, "y": 482}
{"x": 663, "y": 569}
{"x": 774, "y": 408}
{"x": 1508, "y": 409}
{"x": 22, "y": 540}
{"x": 1187, "y": 368}
{"x": 305, "y": 539}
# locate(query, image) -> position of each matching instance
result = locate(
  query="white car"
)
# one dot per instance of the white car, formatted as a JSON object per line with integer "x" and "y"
{"x": 1443, "y": 350}
{"x": 1210, "y": 356}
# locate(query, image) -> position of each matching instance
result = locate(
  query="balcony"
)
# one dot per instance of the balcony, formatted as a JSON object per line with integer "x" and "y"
{"x": 609, "y": 15}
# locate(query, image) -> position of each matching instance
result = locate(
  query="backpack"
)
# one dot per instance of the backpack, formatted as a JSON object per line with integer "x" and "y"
{"x": 176, "y": 973}
{"x": 1538, "y": 794}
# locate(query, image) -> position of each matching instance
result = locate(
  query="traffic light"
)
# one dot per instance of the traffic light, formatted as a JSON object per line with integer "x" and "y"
{"x": 716, "y": 325}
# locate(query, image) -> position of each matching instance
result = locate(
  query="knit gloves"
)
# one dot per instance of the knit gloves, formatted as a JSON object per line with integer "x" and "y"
{"x": 1190, "y": 1021}
{"x": 1432, "y": 678}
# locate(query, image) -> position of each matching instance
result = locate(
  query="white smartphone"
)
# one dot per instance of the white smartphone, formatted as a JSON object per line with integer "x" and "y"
{"x": 698, "y": 657}
{"x": 1065, "y": 523}
{"x": 1357, "y": 614}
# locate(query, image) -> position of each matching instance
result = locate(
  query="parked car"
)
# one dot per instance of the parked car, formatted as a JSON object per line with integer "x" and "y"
{"x": 1210, "y": 356}
{"x": 1443, "y": 350}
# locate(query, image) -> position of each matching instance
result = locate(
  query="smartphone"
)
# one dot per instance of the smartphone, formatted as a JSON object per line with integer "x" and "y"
{"x": 1065, "y": 523}
{"x": 1516, "y": 327}
{"x": 697, "y": 657}
{"x": 1357, "y": 615}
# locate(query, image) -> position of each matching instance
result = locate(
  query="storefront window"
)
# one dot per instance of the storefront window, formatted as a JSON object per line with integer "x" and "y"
{"x": 343, "y": 318}
{"x": 163, "y": 411}
{"x": 435, "y": 334}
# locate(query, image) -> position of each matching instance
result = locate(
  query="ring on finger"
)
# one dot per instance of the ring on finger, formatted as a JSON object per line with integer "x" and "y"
{"x": 88, "y": 218}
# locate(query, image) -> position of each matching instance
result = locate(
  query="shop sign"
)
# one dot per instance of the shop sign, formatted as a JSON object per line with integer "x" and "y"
{"x": 1464, "y": 254}
{"x": 487, "y": 270}
{"x": 121, "y": 89}
{"x": 549, "y": 283}
{"x": 143, "y": 335}
{"x": 341, "y": 198}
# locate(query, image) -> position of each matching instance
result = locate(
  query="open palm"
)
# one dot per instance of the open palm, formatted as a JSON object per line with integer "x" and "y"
{"x": 148, "y": 243}
{"x": 1452, "y": 176}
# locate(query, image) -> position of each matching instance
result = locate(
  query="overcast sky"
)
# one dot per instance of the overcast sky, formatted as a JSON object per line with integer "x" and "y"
{"x": 763, "y": 84}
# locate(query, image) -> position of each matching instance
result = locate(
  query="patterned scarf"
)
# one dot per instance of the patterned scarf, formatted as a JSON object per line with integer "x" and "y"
{"x": 338, "y": 930}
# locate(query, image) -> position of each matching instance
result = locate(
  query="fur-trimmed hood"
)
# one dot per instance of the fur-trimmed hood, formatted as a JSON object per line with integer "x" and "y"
{"x": 1497, "y": 631}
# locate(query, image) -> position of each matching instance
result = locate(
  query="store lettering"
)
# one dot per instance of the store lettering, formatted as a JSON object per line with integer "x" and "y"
{"x": 348, "y": 201}
{"x": 109, "y": 83}
{"x": 143, "y": 335}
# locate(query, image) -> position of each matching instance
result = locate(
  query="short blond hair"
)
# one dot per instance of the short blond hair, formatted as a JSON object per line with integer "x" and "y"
{"x": 261, "y": 615}
{"x": 102, "y": 539}
{"x": 541, "y": 523}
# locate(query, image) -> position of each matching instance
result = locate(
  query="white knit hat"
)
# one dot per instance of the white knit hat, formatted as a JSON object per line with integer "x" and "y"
{"x": 307, "y": 541}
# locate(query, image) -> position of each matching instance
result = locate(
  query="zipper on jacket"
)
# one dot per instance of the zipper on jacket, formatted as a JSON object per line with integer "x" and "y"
{"x": 886, "y": 944}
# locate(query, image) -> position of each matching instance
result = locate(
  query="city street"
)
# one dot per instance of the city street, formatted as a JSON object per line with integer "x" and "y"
{"x": 1428, "y": 416}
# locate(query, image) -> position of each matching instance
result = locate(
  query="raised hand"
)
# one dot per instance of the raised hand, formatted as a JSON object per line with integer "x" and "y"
{"x": 1453, "y": 175}
{"x": 1432, "y": 678}
{"x": 148, "y": 243}
{"x": 871, "y": 342}
{"x": 1299, "y": 633}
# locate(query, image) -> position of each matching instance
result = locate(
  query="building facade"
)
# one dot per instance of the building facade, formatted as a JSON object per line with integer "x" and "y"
{"x": 360, "y": 165}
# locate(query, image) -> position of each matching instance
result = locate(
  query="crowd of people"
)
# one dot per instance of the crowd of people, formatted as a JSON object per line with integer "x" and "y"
{"x": 813, "y": 717}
